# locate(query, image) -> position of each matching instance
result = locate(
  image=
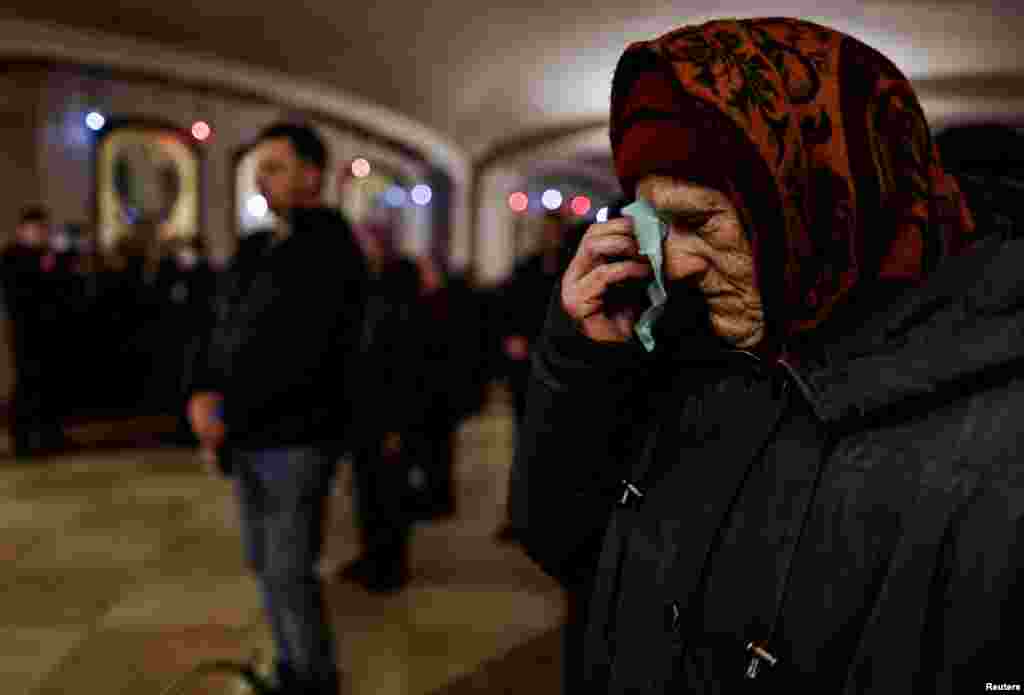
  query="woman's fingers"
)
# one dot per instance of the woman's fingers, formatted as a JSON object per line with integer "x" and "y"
{"x": 585, "y": 297}
{"x": 607, "y": 255}
{"x": 625, "y": 319}
{"x": 613, "y": 245}
{"x": 614, "y": 238}
{"x": 600, "y": 278}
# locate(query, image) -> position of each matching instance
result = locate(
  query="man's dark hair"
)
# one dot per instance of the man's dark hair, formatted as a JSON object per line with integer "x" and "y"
{"x": 305, "y": 141}
{"x": 34, "y": 213}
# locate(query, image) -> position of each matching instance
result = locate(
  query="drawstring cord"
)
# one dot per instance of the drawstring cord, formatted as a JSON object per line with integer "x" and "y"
{"x": 716, "y": 541}
{"x": 758, "y": 650}
{"x": 780, "y": 602}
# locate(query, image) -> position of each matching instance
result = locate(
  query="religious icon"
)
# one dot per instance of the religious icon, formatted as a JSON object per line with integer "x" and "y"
{"x": 147, "y": 188}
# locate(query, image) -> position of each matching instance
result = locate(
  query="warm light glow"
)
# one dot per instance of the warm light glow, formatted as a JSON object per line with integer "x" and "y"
{"x": 60, "y": 242}
{"x": 580, "y": 205}
{"x": 519, "y": 201}
{"x": 395, "y": 196}
{"x": 257, "y": 206}
{"x": 422, "y": 194}
{"x": 201, "y": 130}
{"x": 95, "y": 120}
{"x": 602, "y": 215}
{"x": 551, "y": 199}
{"x": 360, "y": 168}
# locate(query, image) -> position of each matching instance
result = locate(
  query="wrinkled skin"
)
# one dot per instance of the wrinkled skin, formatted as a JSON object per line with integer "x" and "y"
{"x": 705, "y": 247}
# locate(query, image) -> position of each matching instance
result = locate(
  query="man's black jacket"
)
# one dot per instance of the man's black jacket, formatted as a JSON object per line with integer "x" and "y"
{"x": 288, "y": 320}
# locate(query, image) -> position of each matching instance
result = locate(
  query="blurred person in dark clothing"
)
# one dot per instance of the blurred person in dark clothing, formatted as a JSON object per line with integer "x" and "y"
{"x": 155, "y": 332}
{"x": 92, "y": 373}
{"x": 32, "y": 297}
{"x": 448, "y": 327}
{"x": 396, "y": 392}
{"x": 184, "y": 292}
{"x": 74, "y": 316}
{"x": 988, "y": 161}
{"x": 454, "y": 339}
{"x": 526, "y": 294}
{"x": 524, "y": 297}
{"x": 270, "y": 398}
{"x": 472, "y": 339}
{"x": 541, "y": 272}
{"x": 117, "y": 304}
{"x": 447, "y": 363}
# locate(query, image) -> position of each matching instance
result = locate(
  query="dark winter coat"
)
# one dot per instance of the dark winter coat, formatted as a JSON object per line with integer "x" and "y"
{"x": 859, "y": 516}
{"x": 31, "y": 298}
{"x": 289, "y": 317}
{"x": 394, "y": 385}
{"x": 524, "y": 296}
{"x": 460, "y": 347}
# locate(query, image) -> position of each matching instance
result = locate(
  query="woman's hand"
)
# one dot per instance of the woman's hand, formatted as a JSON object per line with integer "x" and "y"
{"x": 608, "y": 254}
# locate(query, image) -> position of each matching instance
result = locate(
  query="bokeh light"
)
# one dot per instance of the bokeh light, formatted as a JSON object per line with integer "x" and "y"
{"x": 519, "y": 201}
{"x": 580, "y": 205}
{"x": 60, "y": 241}
{"x": 551, "y": 199}
{"x": 95, "y": 120}
{"x": 421, "y": 194}
{"x": 395, "y": 196}
{"x": 360, "y": 168}
{"x": 257, "y": 206}
{"x": 201, "y": 130}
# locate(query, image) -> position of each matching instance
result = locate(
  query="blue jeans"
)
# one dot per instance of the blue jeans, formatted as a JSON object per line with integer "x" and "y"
{"x": 282, "y": 494}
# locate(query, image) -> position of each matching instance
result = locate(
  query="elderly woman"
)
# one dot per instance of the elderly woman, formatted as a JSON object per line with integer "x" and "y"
{"x": 812, "y": 480}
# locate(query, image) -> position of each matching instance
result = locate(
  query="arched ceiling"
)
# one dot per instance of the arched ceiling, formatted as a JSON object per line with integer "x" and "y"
{"x": 488, "y": 76}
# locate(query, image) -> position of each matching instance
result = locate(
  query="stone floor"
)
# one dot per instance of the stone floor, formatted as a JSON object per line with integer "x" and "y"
{"x": 122, "y": 570}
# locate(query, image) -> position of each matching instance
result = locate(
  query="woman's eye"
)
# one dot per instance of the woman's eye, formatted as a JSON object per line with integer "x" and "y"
{"x": 693, "y": 223}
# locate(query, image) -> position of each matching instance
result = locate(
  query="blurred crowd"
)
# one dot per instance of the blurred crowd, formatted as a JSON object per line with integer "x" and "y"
{"x": 97, "y": 334}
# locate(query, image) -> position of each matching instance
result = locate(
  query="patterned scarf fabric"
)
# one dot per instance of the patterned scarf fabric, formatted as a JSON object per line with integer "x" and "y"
{"x": 817, "y": 139}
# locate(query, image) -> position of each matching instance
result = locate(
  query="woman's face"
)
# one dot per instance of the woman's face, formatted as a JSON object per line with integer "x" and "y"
{"x": 706, "y": 247}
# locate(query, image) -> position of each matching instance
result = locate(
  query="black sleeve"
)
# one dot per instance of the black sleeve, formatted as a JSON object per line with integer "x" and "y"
{"x": 574, "y": 445}
{"x": 202, "y": 377}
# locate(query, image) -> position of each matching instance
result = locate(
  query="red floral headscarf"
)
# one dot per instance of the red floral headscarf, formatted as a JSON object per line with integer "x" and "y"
{"x": 817, "y": 138}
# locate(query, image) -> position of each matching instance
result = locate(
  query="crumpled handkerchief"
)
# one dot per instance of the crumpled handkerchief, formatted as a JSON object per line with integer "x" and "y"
{"x": 650, "y": 233}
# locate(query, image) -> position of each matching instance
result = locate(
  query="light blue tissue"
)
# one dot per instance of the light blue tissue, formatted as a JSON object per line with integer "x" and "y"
{"x": 650, "y": 234}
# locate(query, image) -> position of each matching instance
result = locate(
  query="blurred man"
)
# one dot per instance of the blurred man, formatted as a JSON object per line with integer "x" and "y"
{"x": 456, "y": 353}
{"x": 528, "y": 294}
{"x": 31, "y": 297}
{"x": 398, "y": 394}
{"x": 525, "y": 296}
{"x": 270, "y": 401}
